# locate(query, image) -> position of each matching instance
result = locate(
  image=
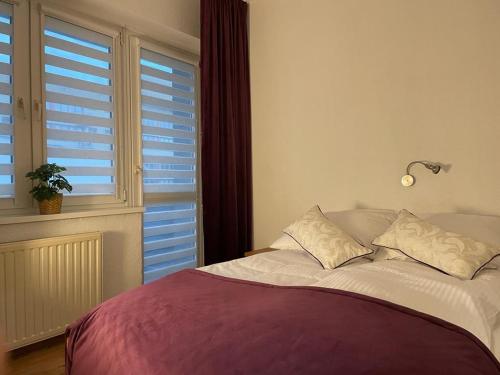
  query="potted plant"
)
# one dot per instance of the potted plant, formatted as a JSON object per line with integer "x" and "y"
{"x": 48, "y": 190}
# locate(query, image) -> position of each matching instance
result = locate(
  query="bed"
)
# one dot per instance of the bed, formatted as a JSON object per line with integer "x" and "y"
{"x": 281, "y": 312}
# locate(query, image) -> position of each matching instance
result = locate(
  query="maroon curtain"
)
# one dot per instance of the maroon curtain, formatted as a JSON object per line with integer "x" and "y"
{"x": 225, "y": 130}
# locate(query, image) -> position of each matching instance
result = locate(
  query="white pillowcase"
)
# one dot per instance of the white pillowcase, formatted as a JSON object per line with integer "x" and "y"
{"x": 363, "y": 224}
{"x": 285, "y": 242}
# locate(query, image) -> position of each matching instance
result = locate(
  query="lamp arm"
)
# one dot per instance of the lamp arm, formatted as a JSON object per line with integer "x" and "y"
{"x": 435, "y": 168}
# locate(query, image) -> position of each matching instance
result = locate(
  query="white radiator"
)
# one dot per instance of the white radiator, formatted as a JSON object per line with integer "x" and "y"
{"x": 46, "y": 284}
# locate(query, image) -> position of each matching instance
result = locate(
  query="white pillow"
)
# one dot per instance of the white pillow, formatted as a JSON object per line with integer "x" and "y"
{"x": 363, "y": 224}
{"x": 325, "y": 241}
{"x": 285, "y": 242}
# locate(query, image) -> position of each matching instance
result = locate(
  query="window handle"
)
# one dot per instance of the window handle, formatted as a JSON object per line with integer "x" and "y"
{"x": 37, "y": 108}
{"x": 138, "y": 169}
{"x": 21, "y": 108}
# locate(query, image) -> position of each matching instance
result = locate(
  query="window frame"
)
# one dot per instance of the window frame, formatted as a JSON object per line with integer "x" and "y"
{"x": 20, "y": 90}
{"x": 30, "y": 137}
{"x": 136, "y": 43}
{"x": 119, "y": 199}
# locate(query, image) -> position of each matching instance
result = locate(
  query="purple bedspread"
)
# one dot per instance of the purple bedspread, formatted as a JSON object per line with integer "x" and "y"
{"x": 193, "y": 322}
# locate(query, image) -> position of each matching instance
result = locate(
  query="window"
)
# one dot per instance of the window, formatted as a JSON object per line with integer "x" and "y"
{"x": 79, "y": 106}
{"x": 7, "y": 173}
{"x": 65, "y": 94}
{"x": 169, "y": 142}
{"x": 59, "y": 105}
{"x": 15, "y": 134}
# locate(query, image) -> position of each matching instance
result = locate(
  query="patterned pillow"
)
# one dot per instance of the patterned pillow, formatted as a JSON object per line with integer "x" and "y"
{"x": 451, "y": 253}
{"x": 325, "y": 241}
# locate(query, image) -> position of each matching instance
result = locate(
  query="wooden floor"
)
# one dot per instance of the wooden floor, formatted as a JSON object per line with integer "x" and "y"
{"x": 44, "y": 358}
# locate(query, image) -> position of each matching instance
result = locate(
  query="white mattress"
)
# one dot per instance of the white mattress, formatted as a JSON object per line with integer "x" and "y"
{"x": 473, "y": 305}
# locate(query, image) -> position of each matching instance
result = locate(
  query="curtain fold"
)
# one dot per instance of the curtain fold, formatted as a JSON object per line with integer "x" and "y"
{"x": 225, "y": 130}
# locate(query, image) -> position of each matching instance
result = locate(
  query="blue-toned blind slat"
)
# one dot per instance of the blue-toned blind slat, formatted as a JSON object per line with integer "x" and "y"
{"x": 79, "y": 106}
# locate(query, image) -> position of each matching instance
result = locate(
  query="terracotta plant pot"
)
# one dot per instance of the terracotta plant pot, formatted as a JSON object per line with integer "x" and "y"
{"x": 51, "y": 206}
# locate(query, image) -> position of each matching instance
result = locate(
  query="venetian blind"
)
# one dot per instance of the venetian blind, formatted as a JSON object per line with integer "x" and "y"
{"x": 168, "y": 124}
{"x": 169, "y": 133}
{"x": 6, "y": 103}
{"x": 80, "y": 124}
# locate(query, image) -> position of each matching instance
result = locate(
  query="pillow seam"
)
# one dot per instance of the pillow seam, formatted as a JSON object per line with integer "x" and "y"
{"x": 307, "y": 251}
{"x": 484, "y": 265}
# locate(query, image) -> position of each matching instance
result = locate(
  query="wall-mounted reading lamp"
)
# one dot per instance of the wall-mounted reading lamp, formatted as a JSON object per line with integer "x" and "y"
{"x": 408, "y": 179}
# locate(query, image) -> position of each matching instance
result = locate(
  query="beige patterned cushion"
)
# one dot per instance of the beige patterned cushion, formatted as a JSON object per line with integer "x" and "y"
{"x": 452, "y": 253}
{"x": 480, "y": 227}
{"x": 325, "y": 241}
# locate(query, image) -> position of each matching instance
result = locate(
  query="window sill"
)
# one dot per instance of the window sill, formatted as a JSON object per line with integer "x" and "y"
{"x": 32, "y": 218}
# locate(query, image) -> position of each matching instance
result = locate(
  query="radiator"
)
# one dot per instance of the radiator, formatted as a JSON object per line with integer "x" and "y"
{"x": 45, "y": 284}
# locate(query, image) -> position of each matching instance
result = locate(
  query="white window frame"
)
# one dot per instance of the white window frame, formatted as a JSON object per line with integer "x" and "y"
{"x": 119, "y": 199}
{"x": 21, "y": 91}
{"x": 136, "y": 42}
{"x": 30, "y": 138}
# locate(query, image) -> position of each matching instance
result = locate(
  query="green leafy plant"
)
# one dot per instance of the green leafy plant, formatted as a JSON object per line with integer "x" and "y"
{"x": 50, "y": 182}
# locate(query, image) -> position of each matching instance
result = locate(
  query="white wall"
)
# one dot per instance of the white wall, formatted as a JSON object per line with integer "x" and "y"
{"x": 122, "y": 243}
{"x": 346, "y": 92}
{"x": 176, "y": 22}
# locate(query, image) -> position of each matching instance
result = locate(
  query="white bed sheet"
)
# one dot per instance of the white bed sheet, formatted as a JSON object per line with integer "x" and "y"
{"x": 473, "y": 305}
